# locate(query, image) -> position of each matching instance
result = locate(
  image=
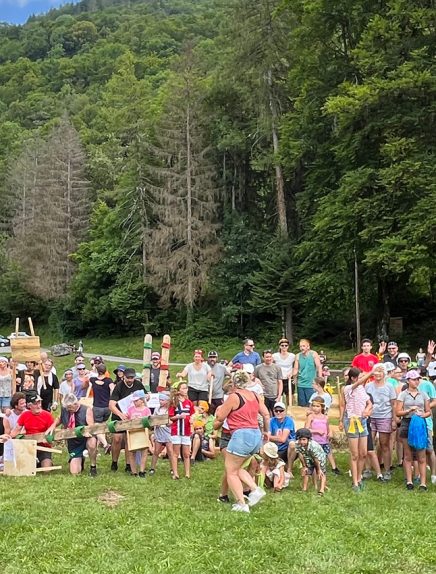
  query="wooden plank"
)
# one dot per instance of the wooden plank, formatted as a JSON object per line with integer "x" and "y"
{"x": 26, "y": 349}
{"x": 100, "y": 428}
{"x": 48, "y": 468}
{"x": 47, "y": 449}
{"x": 146, "y": 366}
{"x": 138, "y": 439}
{"x": 164, "y": 361}
{"x": 23, "y": 462}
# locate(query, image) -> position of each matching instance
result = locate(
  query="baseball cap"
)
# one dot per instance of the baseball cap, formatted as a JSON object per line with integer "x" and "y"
{"x": 280, "y": 405}
{"x": 155, "y": 355}
{"x": 403, "y": 356}
{"x": 120, "y": 368}
{"x": 33, "y": 399}
{"x": 212, "y": 354}
{"x": 81, "y": 366}
{"x": 130, "y": 372}
{"x": 389, "y": 367}
{"x": 98, "y": 358}
{"x": 392, "y": 344}
{"x": 413, "y": 375}
{"x": 271, "y": 450}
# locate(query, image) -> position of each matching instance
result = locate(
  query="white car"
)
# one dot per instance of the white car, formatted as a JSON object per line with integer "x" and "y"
{"x": 19, "y": 334}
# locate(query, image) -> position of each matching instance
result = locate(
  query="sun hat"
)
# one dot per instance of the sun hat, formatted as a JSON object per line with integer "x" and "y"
{"x": 389, "y": 367}
{"x": 271, "y": 450}
{"x": 121, "y": 368}
{"x": 164, "y": 396}
{"x": 403, "y": 356}
{"x": 138, "y": 395}
{"x": 198, "y": 424}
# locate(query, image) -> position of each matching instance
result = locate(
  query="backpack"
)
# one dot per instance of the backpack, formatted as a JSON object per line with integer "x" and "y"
{"x": 417, "y": 435}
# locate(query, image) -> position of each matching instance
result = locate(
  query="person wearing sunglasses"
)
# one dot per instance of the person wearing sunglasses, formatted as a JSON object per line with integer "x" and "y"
{"x": 285, "y": 360}
{"x": 247, "y": 356}
{"x": 282, "y": 433}
{"x": 388, "y": 352}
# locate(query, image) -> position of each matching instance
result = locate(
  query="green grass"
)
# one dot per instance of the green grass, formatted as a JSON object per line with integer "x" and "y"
{"x": 55, "y": 523}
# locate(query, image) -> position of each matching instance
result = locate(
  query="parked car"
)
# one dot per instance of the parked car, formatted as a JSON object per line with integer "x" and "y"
{"x": 19, "y": 334}
{"x": 4, "y": 341}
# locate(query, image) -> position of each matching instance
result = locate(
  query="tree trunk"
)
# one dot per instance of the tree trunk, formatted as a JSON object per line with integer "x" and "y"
{"x": 384, "y": 313}
{"x": 190, "y": 298}
{"x": 288, "y": 323}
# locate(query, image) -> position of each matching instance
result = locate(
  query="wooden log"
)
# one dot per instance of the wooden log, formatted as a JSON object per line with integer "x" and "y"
{"x": 164, "y": 361}
{"x": 47, "y": 449}
{"x": 146, "y": 357}
{"x": 100, "y": 428}
{"x": 48, "y": 468}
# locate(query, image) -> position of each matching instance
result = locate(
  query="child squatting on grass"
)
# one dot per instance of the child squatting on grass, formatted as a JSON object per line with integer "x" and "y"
{"x": 272, "y": 469}
{"x": 313, "y": 460}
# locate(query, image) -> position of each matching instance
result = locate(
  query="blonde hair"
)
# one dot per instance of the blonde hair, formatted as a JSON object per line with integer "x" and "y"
{"x": 241, "y": 379}
{"x": 305, "y": 341}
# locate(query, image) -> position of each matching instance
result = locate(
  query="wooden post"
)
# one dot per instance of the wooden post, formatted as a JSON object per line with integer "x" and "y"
{"x": 146, "y": 357}
{"x": 164, "y": 361}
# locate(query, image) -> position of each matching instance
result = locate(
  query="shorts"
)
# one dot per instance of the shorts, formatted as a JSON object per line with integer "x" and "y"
{"x": 311, "y": 467}
{"x": 429, "y": 448}
{"x": 245, "y": 442}
{"x": 326, "y": 448}
{"x": 381, "y": 425}
{"x": 40, "y": 455}
{"x": 215, "y": 404}
{"x": 224, "y": 440}
{"x": 76, "y": 448}
{"x": 195, "y": 395}
{"x": 404, "y": 428}
{"x": 5, "y": 402}
{"x": 181, "y": 440}
{"x": 370, "y": 442}
{"x": 303, "y": 396}
{"x": 356, "y": 433}
{"x": 101, "y": 414}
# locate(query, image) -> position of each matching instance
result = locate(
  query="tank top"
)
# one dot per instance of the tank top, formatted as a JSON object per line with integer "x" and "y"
{"x": 245, "y": 416}
{"x": 319, "y": 430}
{"x": 306, "y": 370}
{"x": 5, "y": 385}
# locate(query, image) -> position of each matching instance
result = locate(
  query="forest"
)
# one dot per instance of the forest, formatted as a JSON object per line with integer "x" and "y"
{"x": 224, "y": 167}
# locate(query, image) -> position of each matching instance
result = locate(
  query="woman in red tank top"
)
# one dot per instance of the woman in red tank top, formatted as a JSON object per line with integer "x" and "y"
{"x": 241, "y": 410}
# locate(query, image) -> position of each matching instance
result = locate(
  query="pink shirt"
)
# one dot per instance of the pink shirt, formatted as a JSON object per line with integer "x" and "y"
{"x": 355, "y": 401}
{"x": 134, "y": 413}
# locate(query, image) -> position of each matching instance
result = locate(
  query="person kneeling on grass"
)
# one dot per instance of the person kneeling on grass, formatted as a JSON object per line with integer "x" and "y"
{"x": 272, "y": 469}
{"x": 313, "y": 460}
{"x": 202, "y": 446}
{"x": 73, "y": 416}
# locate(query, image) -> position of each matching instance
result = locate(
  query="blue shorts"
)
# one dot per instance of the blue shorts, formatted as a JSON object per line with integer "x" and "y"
{"x": 356, "y": 434}
{"x": 245, "y": 442}
{"x": 5, "y": 402}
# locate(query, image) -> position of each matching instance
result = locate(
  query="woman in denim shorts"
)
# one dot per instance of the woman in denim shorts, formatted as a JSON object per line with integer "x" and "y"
{"x": 241, "y": 410}
{"x": 355, "y": 408}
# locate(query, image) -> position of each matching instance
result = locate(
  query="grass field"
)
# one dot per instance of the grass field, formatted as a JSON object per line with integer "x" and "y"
{"x": 56, "y": 523}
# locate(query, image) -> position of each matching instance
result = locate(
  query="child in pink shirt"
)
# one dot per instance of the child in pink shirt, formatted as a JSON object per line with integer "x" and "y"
{"x": 138, "y": 410}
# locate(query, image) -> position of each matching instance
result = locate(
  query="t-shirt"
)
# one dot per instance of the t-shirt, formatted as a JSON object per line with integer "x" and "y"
{"x": 431, "y": 369}
{"x": 138, "y": 413}
{"x": 365, "y": 362}
{"x": 312, "y": 452}
{"x": 65, "y": 388}
{"x": 285, "y": 363}
{"x": 382, "y": 397}
{"x": 35, "y": 423}
{"x": 101, "y": 391}
{"x": 197, "y": 378}
{"x": 326, "y": 396}
{"x": 181, "y": 427}
{"x": 355, "y": 400}
{"x": 269, "y": 375}
{"x": 154, "y": 379}
{"x": 256, "y": 388}
{"x": 410, "y": 401}
{"x": 162, "y": 432}
{"x": 45, "y": 389}
{"x": 252, "y": 358}
{"x": 277, "y": 427}
{"x": 121, "y": 391}
{"x": 429, "y": 389}
{"x": 220, "y": 372}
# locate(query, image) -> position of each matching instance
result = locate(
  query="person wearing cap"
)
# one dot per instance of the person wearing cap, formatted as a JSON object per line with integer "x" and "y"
{"x": 98, "y": 360}
{"x": 199, "y": 376}
{"x": 282, "y": 433}
{"x": 155, "y": 372}
{"x": 388, "y": 352}
{"x": 119, "y": 373}
{"x": 81, "y": 381}
{"x": 285, "y": 360}
{"x": 74, "y": 415}
{"x": 35, "y": 420}
{"x": 313, "y": 460}
{"x": 6, "y": 390}
{"x": 366, "y": 360}
{"x": 102, "y": 387}
{"x": 247, "y": 355}
{"x": 270, "y": 375}
{"x": 162, "y": 433}
{"x": 272, "y": 468}
{"x": 219, "y": 373}
{"x": 403, "y": 362}
{"x": 412, "y": 402}
{"x": 306, "y": 367}
{"x": 123, "y": 389}
{"x": 138, "y": 410}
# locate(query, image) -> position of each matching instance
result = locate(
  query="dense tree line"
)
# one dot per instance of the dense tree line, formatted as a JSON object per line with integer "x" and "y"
{"x": 219, "y": 166}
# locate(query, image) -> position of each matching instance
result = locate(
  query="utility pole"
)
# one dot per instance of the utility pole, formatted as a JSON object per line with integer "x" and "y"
{"x": 356, "y": 298}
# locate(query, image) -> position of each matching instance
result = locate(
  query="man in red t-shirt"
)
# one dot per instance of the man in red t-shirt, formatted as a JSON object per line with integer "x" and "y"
{"x": 366, "y": 360}
{"x": 34, "y": 421}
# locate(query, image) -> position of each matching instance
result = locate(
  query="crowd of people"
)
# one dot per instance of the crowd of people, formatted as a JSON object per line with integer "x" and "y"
{"x": 242, "y": 409}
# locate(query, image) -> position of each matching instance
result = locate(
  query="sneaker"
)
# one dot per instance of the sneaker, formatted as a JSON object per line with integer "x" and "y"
{"x": 336, "y": 471}
{"x": 387, "y": 476}
{"x": 367, "y": 474}
{"x": 355, "y": 488}
{"x": 151, "y": 471}
{"x": 255, "y": 496}
{"x": 361, "y": 485}
{"x": 423, "y": 488}
{"x": 433, "y": 478}
{"x": 381, "y": 478}
{"x": 240, "y": 507}
{"x": 93, "y": 471}
{"x": 410, "y": 486}
{"x": 223, "y": 498}
{"x": 127, "y": 469}
{"x": 114, "y": 466}
{"x": 142, "y": 474}
{"x": 133, "y": 473}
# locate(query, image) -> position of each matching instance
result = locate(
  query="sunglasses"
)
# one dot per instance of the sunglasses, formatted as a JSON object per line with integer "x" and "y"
{"x": 284, "y": 345}
{"x": 392, "y": 348}
{"x": 403, "y": 361}
{"x": 249, "y": 345}
{"x": 279, "y": 410}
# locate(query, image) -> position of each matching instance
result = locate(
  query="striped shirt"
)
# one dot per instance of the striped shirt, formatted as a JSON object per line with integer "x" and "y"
{"x": 355, "y": 400}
